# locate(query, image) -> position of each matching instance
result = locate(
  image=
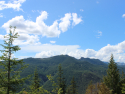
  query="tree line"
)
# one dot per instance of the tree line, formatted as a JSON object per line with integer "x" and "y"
{"x": 10, "y": 82}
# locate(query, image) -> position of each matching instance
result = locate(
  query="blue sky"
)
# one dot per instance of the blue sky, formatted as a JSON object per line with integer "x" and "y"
{"x": 79, "y": 28}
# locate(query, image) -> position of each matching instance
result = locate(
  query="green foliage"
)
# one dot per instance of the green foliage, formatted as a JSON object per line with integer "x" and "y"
{"x": 61, "y": 80}
{"x": 90, "y": 89}
{"x": 56, "y": 88}
{"x": 41, "y": 91}
{"x": 83, "y": 71}
{"x": 72, "y": 89}
{"x": 36, "y": 81}
{"x": 9, "y": 78}
{"x": 98, "y": 88}
{"x": 123, "y": 88}
{"x": 112, "y": 79}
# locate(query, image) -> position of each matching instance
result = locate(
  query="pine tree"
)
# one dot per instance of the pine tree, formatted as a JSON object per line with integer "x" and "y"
{"x": 56, "y": 88}
{"x": 63, "y": 85}
{"x": 113, "y": 77}
{"x": 73, "y": 86}
{"x": 36, "y": 82}
{"x": 8, "y": 76}
{"x": 61, "y": 80}
{"x": 68, "y": 91}
{"x": 122, "y": 75}
{"x": 123, "y": 88}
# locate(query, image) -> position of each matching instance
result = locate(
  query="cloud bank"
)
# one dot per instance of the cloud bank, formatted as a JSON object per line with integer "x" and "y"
{"x": 48, "y": 50}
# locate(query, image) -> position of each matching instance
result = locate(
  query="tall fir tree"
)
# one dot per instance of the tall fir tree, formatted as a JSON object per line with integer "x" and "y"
{"x": 8, "y": 76}
{"x": 35, "y": 82}
{"x": 113, "y": 77}
{"x": 61, "y": 79}
{"x": 73, "y": 86}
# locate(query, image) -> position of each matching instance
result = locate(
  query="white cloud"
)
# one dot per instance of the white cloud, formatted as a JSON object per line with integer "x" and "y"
{"x": 1, "y": 15}
{"x": 48, "y": 47}
{"x": 15, "y": 4}
{"x": 25, "y": 39}
{"x": 30, "y": 27}
{"x": 39, "y": 27}
{"x": 123, "y": 15}
{"x": 76, "y": 20}
{"x": 52, "y": 41}
{"x": 48, "y": 50}
{"x": 65, "y": 22}
{"x": 44, "y": 54}
{"x": 30, "y": 31}
{"x": 81, "y": 10}
{"x": 99, "y": 34}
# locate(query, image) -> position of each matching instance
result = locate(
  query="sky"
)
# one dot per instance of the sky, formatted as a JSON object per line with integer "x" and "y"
{"x": 78, "y": 28}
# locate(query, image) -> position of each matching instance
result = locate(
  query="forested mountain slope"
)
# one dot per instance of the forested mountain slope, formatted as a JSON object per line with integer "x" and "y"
{"x": 84, "y": 70}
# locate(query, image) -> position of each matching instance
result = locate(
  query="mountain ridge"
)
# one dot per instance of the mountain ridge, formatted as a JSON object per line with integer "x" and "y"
{"x": 84, "y": 70}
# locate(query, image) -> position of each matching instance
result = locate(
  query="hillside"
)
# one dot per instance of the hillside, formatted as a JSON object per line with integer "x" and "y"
{"x": 84, "y": 70}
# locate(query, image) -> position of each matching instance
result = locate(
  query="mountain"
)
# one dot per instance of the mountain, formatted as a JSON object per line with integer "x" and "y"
{"x": 93, "y": 61}
{"x": 84, "y": 70}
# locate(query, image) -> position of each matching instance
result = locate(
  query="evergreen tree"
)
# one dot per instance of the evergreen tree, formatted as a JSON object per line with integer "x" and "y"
{"x": 103, "y": 89}
{"x": 98, "y": 88}
{"x": 56, "y": 88}
{"x": 113, "y": 77}
{"x": 63, "y": 85}
{"x": 123, "y": 88}
{"x": 90, "y": 88}
{"x": 36, "y": 81}
{"x": 122, "y": 75}
{"x": 61, "y": 79}
{"x": 9, "y": 78}
{"x": 73, "y": 86}
{"x": 68, "y": 91}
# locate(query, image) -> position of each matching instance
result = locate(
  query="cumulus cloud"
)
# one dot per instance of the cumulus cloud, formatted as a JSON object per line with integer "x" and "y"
{"x": 76, "y": 20}
{"x": 38, "y": 27}
{"x": 44, "y": 54}
{"x": 30, "y": 27}
{"x": 65, "y": 22}
{"x": 52, "y": 41}
{"x": 25, "y": 39}
{"x": 15, "y": 4}
{"x": 31, "y": 31}
{"x": 123, "y": 15}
